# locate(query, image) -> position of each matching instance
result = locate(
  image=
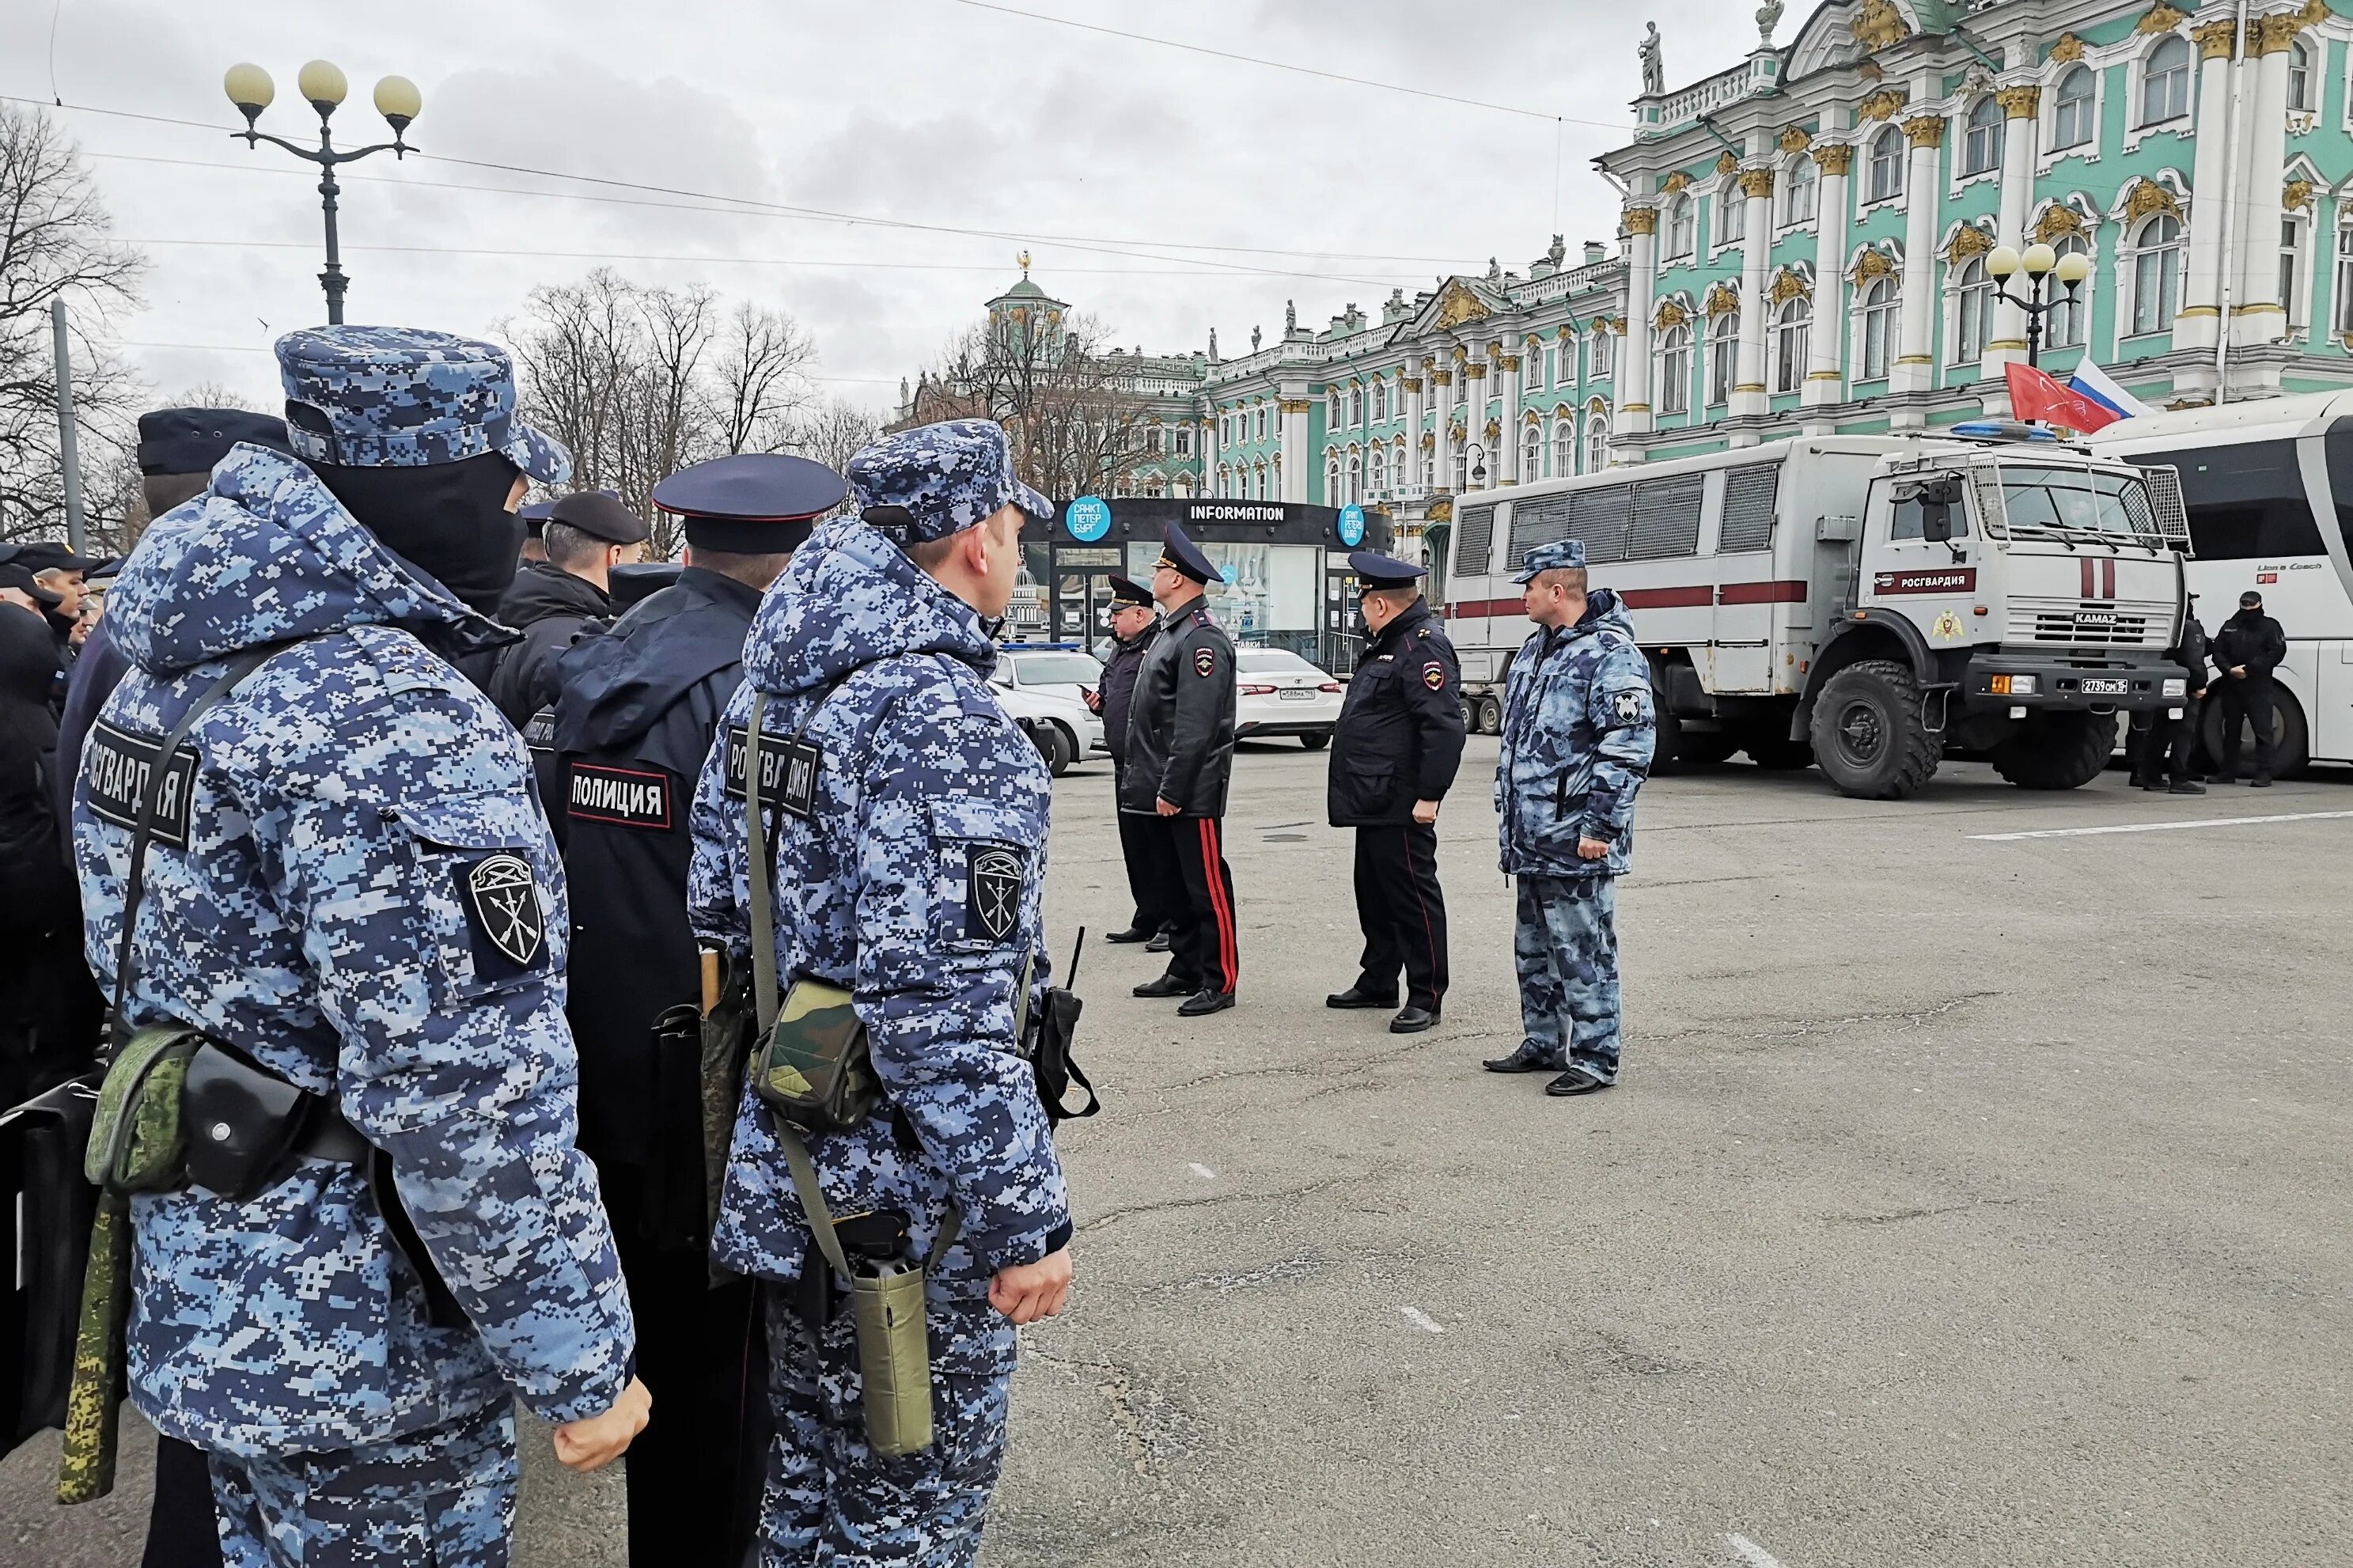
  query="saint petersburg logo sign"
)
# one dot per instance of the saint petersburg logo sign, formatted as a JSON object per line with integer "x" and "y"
{"x": 1088, "y": 519}
{"x": 1352, "y": 526}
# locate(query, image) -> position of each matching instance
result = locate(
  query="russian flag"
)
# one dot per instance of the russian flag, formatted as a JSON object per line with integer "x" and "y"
{"x": 2090, "y": 381}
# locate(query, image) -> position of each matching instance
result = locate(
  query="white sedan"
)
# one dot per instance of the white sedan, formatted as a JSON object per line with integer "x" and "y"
{"x": 1044, "y": 687}
{"x": 1283, "y": 694}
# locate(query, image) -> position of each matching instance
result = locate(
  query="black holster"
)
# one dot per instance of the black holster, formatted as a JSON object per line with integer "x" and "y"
{"x": 1052, "y": 1033}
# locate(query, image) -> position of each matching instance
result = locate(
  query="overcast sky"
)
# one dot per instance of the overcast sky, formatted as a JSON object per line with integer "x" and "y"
{"x": 917, "y": 112}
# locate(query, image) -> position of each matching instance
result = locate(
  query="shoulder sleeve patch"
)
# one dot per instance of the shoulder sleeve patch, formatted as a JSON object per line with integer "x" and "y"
{"x": 1433, "y": 675}
{"x": 1205, "y": 661}
{"x": 1625, "y": 706}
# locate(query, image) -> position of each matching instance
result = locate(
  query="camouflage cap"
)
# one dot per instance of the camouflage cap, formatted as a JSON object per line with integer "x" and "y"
{"x": 944, "y": 477}
{"x": 1550, "y": 557}
{"x": 404, "y": 398}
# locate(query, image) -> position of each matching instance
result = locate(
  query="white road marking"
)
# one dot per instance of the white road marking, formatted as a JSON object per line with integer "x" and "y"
{"x": 2158, "y": 826}
{"x": 1203, "y": 1172}
{"x": 1421, "y": 1320}
{"x": 1751, "y": 1553}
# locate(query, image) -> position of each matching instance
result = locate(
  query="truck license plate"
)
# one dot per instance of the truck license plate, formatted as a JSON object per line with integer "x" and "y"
{"x": 1297, "y": 694}
{"x": 2099, "y": 686}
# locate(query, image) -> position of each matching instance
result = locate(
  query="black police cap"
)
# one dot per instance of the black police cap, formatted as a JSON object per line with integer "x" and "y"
{"x": 50, "y": 556}
{"x": 754, "y": 503}
{"x": 1375, "y": 569}
{"x": 192, "y": 440}
{"x": 600, "y": 515}
{"x": 1184, "y": 556}
{"x": 13, "y": 575}
{"x": 642, "y": 580}
{"x": 1126, "y": 591}
{"x": 535, "y": 515}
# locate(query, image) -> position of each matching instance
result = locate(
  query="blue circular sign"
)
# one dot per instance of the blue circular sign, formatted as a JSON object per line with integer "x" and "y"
{"x": 1088, "y": 519}
{"x": 1352, "y": 526}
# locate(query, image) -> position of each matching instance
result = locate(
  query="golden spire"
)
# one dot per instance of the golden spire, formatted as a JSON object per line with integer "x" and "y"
{"x": 1024, "y": 259}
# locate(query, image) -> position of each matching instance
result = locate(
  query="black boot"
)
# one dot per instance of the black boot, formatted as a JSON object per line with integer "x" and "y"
{"x": 1357, "y": 996}
{"x": 1166, "y": 985}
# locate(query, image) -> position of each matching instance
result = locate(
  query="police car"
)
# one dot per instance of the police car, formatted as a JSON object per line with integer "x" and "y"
{"x": 1043, "y": 687}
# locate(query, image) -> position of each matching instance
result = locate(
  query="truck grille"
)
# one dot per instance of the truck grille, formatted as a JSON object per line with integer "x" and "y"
{"x": 2053, "y": 622}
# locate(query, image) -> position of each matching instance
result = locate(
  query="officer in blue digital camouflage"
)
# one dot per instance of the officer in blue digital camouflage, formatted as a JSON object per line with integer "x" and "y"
{"x": 352, "y": 892}
{"x": 908, "y": 869}
{"x": 1579, "y": 730}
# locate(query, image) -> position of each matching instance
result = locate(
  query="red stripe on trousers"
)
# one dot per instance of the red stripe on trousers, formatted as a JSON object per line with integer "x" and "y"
{"x": 1211, "y": 860}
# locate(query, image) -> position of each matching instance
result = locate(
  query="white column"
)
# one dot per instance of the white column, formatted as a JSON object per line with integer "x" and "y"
{"x": 1441, "y": 399}
{"x": 1474, "y": 423}
{"x": 1508, "y": 373}
{"x": 1915, "y": 365}
{"x": 1414, "y": 402}
{"x": 2256, "y": 313}
{"x": 1825, "y": 381}
{"x": 2199, "y": 324}
{"x": 1748, "y": 395}
{"x": 1633, "y": 367}
{"x": 2021, "y": 106}
{"x": 1294, "y": 448}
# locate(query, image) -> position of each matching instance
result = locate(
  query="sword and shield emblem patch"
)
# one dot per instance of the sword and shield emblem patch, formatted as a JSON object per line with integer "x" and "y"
{"x": 995, "y": 881}
{"x": 502, "y": 897}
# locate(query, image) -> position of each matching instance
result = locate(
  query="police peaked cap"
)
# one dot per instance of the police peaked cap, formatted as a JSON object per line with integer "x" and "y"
{"x": 1126, "y": 591}
{"x": 600, "y": 515}
{"x": 754, "y": 503}
{"x": 13, "y": 575}
{"x": 50, "y": 556}
{"x": 192, "y": 440}
{"x": 1184, "y": 556}
{"x": 1375, "y": 569}
{"x": 535, "y": 515}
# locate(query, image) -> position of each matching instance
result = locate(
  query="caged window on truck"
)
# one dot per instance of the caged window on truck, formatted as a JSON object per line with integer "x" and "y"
{"x": 2076, "y": 501}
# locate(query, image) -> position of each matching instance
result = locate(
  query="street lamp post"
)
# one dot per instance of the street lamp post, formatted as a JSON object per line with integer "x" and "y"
{"x": 322, "y": 84}
{"x": 2041, "y": 264}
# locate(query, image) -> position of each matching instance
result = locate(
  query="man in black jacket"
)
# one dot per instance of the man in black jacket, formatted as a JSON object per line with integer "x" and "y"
{"x": 1180, "y": 756}
{"x": 2178, "y": 736}
{"x": 1131, "y": 624}
{"x": 551, "y": 601}
{"x": 2249, "y": 646}
{"x": 638, "y": 707}
{"x": 1394, "y": 753}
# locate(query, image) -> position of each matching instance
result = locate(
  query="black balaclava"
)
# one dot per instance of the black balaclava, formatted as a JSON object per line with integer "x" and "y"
{"x": 449, "y": 519}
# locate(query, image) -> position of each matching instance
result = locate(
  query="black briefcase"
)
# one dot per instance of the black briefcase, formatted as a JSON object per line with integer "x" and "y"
{"x": 45, "y": 1206}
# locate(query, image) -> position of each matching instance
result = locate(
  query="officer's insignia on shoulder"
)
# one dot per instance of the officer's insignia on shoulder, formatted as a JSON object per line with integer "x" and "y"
{"x": 1205, "y": 662}
{"x": 1433, "y": 675}
{"x": 994, "y": 879}
{"x": 1625, "y": 706}
{"x": 501, "y": 899}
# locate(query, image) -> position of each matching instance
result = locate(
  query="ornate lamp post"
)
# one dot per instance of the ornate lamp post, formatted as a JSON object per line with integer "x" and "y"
{"x": 2041, "y": 264}
{"x": 323, "y": 85}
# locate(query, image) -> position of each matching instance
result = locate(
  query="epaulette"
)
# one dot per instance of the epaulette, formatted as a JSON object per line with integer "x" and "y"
{"x": 1201, "y": 616}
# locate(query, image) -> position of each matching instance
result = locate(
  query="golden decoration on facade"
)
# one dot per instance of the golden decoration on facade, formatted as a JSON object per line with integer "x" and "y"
{"x": 1869, "y": 71}
{"x": 1618, "y": 326}
{"x": 1795, "y": 139}
{"x": 1788, "y": 284}
{"x": 1880, "y": 105}
{"x": 1834, "y": 162}
{"x": 2297, "y": 195}
{"x": 1968, "y": 241}
{"x": 2058, "y": 221}
{"x": 2068, "y": 49}
{"x": 1457, "y": 306}
{"x": 1474, "y": 373}
{"x": 1440, "y": 510}
{"x": 2314, "y": 13}
{"x": 1721, "y": 301}
{"x": 2276, "y": 35}
{"x": 2161, "y": 18}
{"x": 1600, "y": 323}
{"x": 2020, "y": 102}
{"x": 2150, "y": 198}
{"x": 1925, "y": 130}
{"x": 2216, "y": 40}
{"x": 1670, "y": 314}
{"x": 1641, "y": 220}
{"x": 1493, "y": 428}
{"x": 1293, "y": 404}
{"x": 1872, "y": 264}
{"x": 1879, "y": 26}
{"x": 1411, "y": 383}
{"x": 1756, "y": 182}
{"x": 1510, "y": 361}
{"x": 1676, "y": 182}
{"x": 1727, "y": 163}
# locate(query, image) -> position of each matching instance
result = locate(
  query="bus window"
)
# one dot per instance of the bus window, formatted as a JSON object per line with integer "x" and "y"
{"x": 2339, "y": 446}
{"x": 2244, "y": 501}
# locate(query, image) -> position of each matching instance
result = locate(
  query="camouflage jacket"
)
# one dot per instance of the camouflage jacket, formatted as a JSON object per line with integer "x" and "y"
{"x": 915, "y": 883}
{"x": 357, "y": 891}
{"x": 1578, "y": 727}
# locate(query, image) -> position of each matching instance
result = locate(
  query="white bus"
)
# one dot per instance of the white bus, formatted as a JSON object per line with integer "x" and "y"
{"x": 2268, "y": 486}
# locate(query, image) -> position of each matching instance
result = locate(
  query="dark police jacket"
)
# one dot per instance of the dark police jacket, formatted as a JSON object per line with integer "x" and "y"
{"x": 2253, "y": 639}
{"x": 1180, "y": 728}
{"x": 1399, "y": 738}
{"x": 551, "y": 607}
{"x": 632, "y": 727}
{"x": 2189, "y": 653}
{"x": 1116, "y": 689}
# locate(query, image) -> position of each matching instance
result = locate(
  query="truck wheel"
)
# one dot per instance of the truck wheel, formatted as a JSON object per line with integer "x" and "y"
{"x": 1491, "y": 716}
{"x": 1867, "y": 732}
{"x": 2291, "y": 745}
{"x": 1470, "y": 715}
{"x": 2056, "y": 751}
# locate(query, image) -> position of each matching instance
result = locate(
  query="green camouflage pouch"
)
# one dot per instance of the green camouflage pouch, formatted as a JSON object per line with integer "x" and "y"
{"x": 136, "y": 1142}
{"x": 813, "y": 1067}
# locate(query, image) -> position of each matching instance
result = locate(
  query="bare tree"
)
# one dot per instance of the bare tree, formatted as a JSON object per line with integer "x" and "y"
{"x": 55, "y": 244}
{"x": 832, "y": 432}
{"x": 1069, "y": 406}
{"x": 762, "y": 378}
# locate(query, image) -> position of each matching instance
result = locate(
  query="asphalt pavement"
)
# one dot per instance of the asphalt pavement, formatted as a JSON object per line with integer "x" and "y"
{"x": 1968, "y": 1199}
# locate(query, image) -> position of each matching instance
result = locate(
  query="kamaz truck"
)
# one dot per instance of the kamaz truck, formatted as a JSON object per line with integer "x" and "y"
{"x": 1869, "y": 605}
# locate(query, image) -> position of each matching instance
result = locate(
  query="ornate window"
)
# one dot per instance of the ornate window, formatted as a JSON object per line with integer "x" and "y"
{"x": 1722, "y": 356}
{"x": 1356, "y": 407}
{"x": 1398, "y": 470}
{"x": 2074, "y": 120}
{"x": 1879, "y": 313}
{"x": 2069, "y": 317}
{"x": 1531, "y": 452}
{"x": 1376, "y": 470}
{"x": 2299, "y": 77}
{"x": 1731, "y": 214}
{"x": 2164, "y": 82}
{"x": 1674, "y": 370}
{"x": 1551, "y": 364}
{"x": 1152, "y": 439}
{"x": 1356, "y": 478}
{"x": 1380, "y": 401}
{"x": 1462, "y": 471}
{"x": 1332, "y": 416}
{"x": 1974, "y": 312}
{"x": 1532, "y": 369}
{"x": 1886, "y": 171}
{"x": 1791, "y": 330}
{"x": 2344, "y": 278}
{"x": 1332, "y": 496}
{"x": 1428, "y": 467}
{"x": 1184, "y": 440}
{"x": 1682, "y": 233}
{"x": 2157, "y": 275}
{"x": 1596, "y": 444}
{"x": 1604, "y": 344}
{"x": 2292, "y": 269}
{"x": 1799, "y": 188}
{"x": 1981, "y": 151}
{"x": 1563, "y": 448}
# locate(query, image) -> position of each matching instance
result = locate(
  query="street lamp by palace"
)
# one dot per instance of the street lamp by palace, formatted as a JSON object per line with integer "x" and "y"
{"x": 2041, "y": 264}
{"x": 323, "y": 85}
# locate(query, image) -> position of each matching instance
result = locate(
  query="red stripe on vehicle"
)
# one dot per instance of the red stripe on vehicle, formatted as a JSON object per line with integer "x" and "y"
{"x": 1470, "y": 608}
{"x": 2108, "y": 578}
{"x": 1784, "y": 591}
{"x": 1666, "y": 598}
{"x": 2091, "y": 585}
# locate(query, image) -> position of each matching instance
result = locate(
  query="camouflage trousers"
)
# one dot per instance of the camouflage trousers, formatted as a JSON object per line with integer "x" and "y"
{"x": 1566, "y": 948}
{"x": 830, "y": 1500}
{"x": 444, "y": 1496}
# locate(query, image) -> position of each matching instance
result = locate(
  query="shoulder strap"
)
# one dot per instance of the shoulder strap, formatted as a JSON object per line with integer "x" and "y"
{"x": 765, "y": 997}
{"x": 135, "y": 885}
